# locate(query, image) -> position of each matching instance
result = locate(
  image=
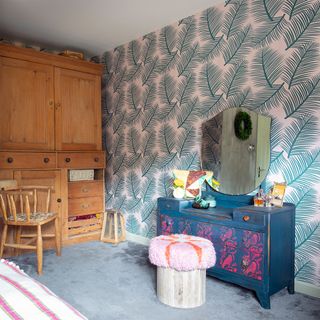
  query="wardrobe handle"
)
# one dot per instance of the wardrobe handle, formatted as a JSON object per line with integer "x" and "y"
{"x": 10, "y": 160}
{"x": 67, "y": 159}
{"x": 59, "y": 200}
{"x": 96, "y": 159}
{"x": 46, "y": 160}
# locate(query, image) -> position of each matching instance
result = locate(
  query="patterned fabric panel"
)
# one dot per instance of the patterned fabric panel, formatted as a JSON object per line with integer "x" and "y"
{"x": 35, "y": 216}
{"x": 251, "y": 255}
{"x": 21, "y": 297}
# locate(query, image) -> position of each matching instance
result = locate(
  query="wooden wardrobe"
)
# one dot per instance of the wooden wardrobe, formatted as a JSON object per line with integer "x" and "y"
{"x": 50, "y": 123}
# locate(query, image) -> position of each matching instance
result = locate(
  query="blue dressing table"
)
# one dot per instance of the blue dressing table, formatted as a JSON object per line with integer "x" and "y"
{"x": 254, "y": 245}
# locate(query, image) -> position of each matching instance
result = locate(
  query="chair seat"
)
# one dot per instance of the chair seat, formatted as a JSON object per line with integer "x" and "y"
{"x": 34, "y": 216}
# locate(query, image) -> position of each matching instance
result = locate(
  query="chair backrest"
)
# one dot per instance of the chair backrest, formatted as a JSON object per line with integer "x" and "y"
{"x": 21, "y": 200}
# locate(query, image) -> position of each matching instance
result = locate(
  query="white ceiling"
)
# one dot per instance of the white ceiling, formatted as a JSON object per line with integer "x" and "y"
{"x": 92, "y": 26}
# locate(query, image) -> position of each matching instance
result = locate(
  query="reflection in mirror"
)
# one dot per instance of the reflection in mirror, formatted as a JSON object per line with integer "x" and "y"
{"x": 239, "y": 162}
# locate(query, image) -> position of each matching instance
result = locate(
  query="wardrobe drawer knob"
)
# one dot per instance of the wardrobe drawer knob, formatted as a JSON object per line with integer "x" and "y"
{"x": 96, "y": 159}
{"x": 246, "y": 218}
{"x": 46, "y": 160}
{"x": 67, "y": 159}
{"x": 9, "y": 160}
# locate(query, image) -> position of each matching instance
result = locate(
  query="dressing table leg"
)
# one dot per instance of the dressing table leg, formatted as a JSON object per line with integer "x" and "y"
{"x": 264, "y": 299}
{"x": 291, "y": 287}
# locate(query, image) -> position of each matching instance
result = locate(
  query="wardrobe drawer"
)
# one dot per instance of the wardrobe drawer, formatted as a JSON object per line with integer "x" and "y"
{"x": 81, "y": 189}
{"x": 27, "y": 160}
{"x": 86, "y": 205}
{"x": 81, "y": 160}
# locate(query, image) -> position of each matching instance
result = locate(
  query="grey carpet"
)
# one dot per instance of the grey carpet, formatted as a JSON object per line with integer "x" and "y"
{"x": 107, "y": 282}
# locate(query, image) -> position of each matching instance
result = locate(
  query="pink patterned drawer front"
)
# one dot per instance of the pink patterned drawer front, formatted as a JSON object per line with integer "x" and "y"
{"x": 238, "y": 251}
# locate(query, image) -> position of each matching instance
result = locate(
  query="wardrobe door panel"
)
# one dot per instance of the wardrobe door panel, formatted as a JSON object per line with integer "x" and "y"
{"x": 78, "y": 110}
{"x": 27, "y": 108}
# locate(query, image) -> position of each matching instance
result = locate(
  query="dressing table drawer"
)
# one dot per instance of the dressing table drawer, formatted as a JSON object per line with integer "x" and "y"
{"x": 171, "y": 204}
{"x": 250, "y": 217}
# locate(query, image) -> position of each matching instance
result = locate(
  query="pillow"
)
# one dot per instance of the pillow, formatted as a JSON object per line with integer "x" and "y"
{"x": 191, "y": 181}
{"x": 22, "y": 297}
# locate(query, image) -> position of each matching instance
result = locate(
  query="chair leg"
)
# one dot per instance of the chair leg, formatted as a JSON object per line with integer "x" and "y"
{"x": 3, "y": 239}
{"x": 39, "y": 249}
{"x": 57, "y": 237}
{"x": 18, "y": 239}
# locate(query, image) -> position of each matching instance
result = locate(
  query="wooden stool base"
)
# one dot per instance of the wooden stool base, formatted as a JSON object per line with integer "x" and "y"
{"x": 181, "y": 289}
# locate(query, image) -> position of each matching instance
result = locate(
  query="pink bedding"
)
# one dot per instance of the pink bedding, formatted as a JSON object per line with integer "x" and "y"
{"x": 22, "y": 297}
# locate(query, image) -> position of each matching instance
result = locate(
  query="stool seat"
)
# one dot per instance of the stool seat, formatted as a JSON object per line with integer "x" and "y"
{"x": 181, "y": 262}
{"x": 182, "y": 252}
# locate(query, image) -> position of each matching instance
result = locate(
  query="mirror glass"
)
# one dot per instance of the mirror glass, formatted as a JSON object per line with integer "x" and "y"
{"x": 236, "y": 147}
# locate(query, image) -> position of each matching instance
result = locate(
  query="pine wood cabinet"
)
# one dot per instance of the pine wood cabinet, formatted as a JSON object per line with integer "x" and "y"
{"x": 50, "y": 123}
{"x": 78, "y": 110}
{"x": 27, "y": 110}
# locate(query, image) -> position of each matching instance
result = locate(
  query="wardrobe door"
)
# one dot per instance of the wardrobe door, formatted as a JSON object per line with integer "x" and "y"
{"x": 26, "y": 105}
{"x": 78, "y": 110}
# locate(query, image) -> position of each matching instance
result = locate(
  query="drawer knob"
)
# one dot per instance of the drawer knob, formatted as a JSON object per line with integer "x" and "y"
{"x": 246, "y": 218}
{"x": 67, "y": 159}
{"x": 59, "y": 200}
{"x": 85, "y": 206}
{"x": 46, "y": 160}
{"x": 84, "y": 190}
{"x": 96, "y": 159}
{"x": 10, "y": 160}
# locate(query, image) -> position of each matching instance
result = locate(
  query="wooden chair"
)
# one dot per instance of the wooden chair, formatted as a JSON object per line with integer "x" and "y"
{"x": 15, "y": 205}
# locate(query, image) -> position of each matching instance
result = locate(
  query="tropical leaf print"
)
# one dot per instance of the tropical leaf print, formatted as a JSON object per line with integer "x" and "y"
{"x": 185, "y": 141}
{"x": 149, "y": 47}
{"x": 307, "y": 205}
{"x": 164, "y": 185}
{"x": 267, "y": 33}
{"x": 303, "y": 25}
{"x": 234, "y": 79}
{"x": 187, "y": 59}
{"x": 302, "y": 170}
{"x": 133, "y": 185}
{"x": 236, "y": 45}
{"x": 272, "y": 7}
{"x": 301, "y": 64}
{"x": 150, "y": 71}
{"x": 186, "y": 34}
{"x": 210, "y": 25}
{"x": 148, "y": 144}
{"x": 118, "y": 60}
{"x": 132, "y": 224}
{"x": 150, "y": 165}
{"x": 185, "y": 89}
{"x": 188, "y": 112}
{"x": 300, "y": 135}
{"x": 167, "y": 139}
{"x": 302, "y": 99}
{"x": 210, "y": 80}
{"x": 234, "y": 19}
{"x": 159, "y": 89}
{"x": 292, "y": 7}
{"x": 149, "y": 95}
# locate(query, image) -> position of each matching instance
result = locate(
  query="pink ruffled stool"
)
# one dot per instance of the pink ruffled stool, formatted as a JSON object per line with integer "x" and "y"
{"x": 181, "y": 262}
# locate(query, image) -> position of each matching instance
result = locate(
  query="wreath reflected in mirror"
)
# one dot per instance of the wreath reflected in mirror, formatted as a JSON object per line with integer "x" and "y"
{"x": 242, "y": 125}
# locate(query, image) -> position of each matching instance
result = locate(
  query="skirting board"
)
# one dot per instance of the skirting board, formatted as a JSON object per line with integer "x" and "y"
{"x": 302, "y": 287}
{"x": 307, "y": 288}
{"x": 138, "y": 239}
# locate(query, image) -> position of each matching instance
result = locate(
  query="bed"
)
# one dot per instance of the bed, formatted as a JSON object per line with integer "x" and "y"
{"x": 24, "y": 298}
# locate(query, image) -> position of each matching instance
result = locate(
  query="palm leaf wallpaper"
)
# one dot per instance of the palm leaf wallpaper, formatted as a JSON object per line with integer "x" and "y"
{"x": 159, "y": 89}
